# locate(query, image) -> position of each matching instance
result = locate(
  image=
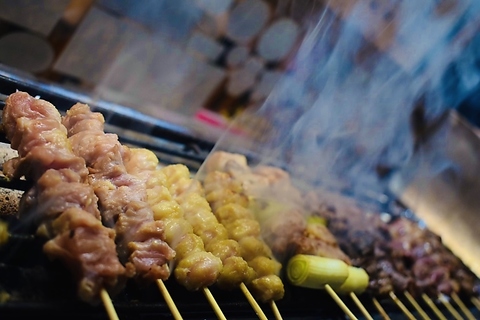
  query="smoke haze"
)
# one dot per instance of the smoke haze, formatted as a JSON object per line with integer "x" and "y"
{"x": 342, "y": 116}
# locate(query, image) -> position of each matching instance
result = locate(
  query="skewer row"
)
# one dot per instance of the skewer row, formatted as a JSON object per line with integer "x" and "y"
{"x": 112, "y": 314}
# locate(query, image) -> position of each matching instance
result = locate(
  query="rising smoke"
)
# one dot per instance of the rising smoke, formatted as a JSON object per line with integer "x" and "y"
{"x": 364, "y": 81}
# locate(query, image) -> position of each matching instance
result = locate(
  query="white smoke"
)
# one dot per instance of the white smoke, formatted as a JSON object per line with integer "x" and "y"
{"x": 343, "y": 113}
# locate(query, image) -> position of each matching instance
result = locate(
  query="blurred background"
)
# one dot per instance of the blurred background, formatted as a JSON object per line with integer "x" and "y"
{"x": 196, "y": 63}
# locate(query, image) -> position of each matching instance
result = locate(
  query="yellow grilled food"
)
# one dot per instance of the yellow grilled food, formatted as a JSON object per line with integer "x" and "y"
{"x": 315, "y": 272}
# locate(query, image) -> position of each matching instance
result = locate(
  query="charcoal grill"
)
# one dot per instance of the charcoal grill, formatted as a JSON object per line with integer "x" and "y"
{"x": 42, "y": 288}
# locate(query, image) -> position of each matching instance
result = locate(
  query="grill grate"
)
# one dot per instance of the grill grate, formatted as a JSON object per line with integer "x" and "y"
{"x": 39, "y": 287}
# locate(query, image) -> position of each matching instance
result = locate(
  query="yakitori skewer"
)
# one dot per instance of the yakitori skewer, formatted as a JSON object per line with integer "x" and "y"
{"x": 400, "y": 304}
{"x": 71, "y": 221}
{"x": 248, "y": 258}
{"x": 227, "y": 182}
{"x": 380, "y": 309}
{"x": 462, "y": 306}
{"x": 189, "y": 245}
{"x": 433, "y": 306}
{"x": 444, "y": 300}
{"x": 135, "y": 182}
{"x": 417, "y": 306}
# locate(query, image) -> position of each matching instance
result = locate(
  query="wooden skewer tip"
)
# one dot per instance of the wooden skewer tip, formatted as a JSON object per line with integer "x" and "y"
{"x": 443, "y": 299}
{"x": 416, "y": 305}
{"x": 275, "y": 310}
{"x": 462, "y": 306}
{"x": 108, "y": 304}
{"x": 168, "y": 299}
{"x": 261, "y": 315}
{"x": 214, "y": 304}
{"x": 380, "y": 309}
{"x": 360, "y": 305}
{"x": 339, "y": 302}
{"x": 400, "y": 304}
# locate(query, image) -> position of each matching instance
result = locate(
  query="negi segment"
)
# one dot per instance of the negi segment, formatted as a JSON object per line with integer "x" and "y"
{"x": 63, "y": 205}
{"x": 122, "y": 197}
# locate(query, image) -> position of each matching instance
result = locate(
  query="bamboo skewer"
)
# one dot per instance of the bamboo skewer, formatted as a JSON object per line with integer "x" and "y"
{"x": 434, "y": 308}
{"x": 475, "y": 302}
{"x": 450, "y": 308}
{"x": 401, "y": 305}
{"x": 275, "y": 310}
{"x": 261, "y": 315}
{"x": 108, "y": 304}
{"x": 380, "y": 309}
{"x": 417, "y": 307}
{"x": 339, "y": 302}
{"x": 360, "y": 305}
{"x": 168, "y": 299}
{"x": 462, "y": 306}
{"x": 214, "y": 304}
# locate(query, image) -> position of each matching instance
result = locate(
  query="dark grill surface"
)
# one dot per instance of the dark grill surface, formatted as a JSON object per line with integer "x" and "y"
{"x": 42, "y": 288}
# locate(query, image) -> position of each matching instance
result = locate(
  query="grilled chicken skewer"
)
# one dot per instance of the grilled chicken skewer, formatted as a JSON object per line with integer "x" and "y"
{"x": 61, "y": 202}
{"x": 194, "y": 268}
{"x": 190, "y": 195}
{"x": 122, "y": 197}
{"x": 232, "y": 211}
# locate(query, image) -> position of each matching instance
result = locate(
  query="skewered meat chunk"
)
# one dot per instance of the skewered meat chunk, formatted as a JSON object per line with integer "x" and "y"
{"x": 194, "y": 267}
{"x": 122, "y": 196}
{"x": 252, "y": 247}
{"x": 79, "y": 234}
{"x": 435, "y": 269}
{"x": 55, "y": 192}
{"x": 60, "y": 201}
{"x": 398, "y": 255}
{"x": 190, "y": 195}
